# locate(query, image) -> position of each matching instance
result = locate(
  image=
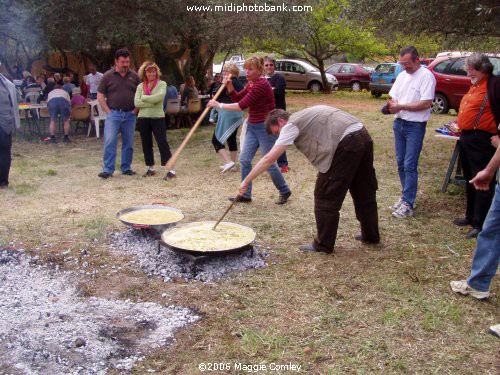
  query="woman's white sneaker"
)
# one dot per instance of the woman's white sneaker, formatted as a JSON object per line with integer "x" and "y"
{"x": 228, "y": 166}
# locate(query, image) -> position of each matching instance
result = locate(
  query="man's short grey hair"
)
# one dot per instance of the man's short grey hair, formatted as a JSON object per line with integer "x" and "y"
{"x": 479, "y": 62}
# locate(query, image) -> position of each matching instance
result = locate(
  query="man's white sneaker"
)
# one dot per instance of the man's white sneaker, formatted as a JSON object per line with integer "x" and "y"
{"x": 403, "y": 211}
{"x": 462, "y": 287}
{"x": 396, "y": 205}
{"x": 228, "y": 166}
{"x": 495, "y": 330}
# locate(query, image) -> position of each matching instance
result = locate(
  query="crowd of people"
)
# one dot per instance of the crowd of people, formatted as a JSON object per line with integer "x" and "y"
{"x": 336, "y": 143}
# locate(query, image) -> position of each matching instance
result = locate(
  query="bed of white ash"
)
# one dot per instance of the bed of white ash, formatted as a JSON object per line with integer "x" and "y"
{"x": 167, "y": 264}
{"x": 47, "y": 328}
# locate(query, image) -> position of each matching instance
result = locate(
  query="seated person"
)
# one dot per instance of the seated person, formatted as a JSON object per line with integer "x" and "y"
{"x": 32, "y": 90}
{"x": 77, "y": 97}
{"x": 57, "y": 79}
{"x": 172, "y": 93}
{"x": 41, "y": 81}
{"x": 68, "y": 86}
{"x": 190, "y": 92}
{"x": 59, "y": 104}
{"x": 48, "y": 88}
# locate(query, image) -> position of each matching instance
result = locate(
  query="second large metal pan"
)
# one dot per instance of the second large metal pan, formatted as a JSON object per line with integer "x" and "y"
{"x": 157, "y": 226}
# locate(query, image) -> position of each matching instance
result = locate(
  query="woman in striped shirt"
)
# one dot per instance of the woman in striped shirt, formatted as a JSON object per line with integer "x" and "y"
{"x": 258, "y": 97}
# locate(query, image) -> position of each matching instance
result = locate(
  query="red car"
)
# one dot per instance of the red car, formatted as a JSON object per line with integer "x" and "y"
{"x": 452, "y": 82}
{"x": 351, "y": 76}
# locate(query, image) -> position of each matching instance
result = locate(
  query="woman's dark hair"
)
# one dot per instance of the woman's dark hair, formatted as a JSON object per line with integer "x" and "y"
{"x": 189, "y": 81}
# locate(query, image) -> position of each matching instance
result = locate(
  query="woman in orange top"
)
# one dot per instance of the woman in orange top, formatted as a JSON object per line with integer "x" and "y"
{"x": 479, "y": 130}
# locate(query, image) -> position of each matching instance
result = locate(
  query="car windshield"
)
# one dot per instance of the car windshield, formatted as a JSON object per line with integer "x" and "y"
{"x": 309, "y": 67}
{"x": 334, "y": 69}
{"x": 384, "y": 68}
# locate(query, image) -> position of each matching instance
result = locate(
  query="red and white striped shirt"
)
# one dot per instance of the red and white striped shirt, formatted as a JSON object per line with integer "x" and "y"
{"x": 258, "y": 97}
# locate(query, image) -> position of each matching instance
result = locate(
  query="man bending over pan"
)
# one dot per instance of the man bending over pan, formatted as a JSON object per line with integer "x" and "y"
{"x": 339, "y": 146}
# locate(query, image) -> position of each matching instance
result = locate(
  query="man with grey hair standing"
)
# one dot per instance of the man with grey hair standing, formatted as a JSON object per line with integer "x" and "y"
{"x": 478, "y": 118}
{"x": 412, "y": 96}
{"x": 9, "y": 117}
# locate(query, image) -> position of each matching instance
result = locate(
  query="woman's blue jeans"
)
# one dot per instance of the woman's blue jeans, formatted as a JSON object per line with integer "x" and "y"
{"x": 124, "y": 123}
{"x": 408, "y": 139}
{"x": 487, "y": 254}
{"x": 255, "y": 138}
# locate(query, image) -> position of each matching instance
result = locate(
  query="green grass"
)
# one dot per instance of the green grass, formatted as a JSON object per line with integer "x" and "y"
{"x": 25, "y": 188}
{"x": 95, "y": 229}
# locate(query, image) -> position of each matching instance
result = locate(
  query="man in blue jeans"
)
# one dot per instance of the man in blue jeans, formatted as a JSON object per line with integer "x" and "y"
{"x": 412, "y": 96}
{"x": 116, "y": 94}
{"x": 487, "y": 254}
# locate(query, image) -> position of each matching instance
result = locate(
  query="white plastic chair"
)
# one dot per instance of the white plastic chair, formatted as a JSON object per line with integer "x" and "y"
{"x": 96, "y": 115}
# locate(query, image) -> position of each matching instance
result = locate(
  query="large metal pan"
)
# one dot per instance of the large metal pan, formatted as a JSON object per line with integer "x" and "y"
{"x": 168, "y": 238}
{"x": 157, "y": 226}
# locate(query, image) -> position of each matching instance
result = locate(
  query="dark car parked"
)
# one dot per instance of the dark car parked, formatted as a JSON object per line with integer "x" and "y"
{"x": 452, "y": 82}
{"x": 351, "y": 76}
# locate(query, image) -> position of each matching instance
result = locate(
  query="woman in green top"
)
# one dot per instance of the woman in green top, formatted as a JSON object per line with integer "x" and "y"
{"x": 151, "y": 118}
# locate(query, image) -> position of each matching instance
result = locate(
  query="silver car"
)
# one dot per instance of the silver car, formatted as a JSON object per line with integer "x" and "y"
{"x": 300, "y": 75}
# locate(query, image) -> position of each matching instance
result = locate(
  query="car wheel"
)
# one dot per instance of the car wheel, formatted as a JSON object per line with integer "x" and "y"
{"x": 356, "y": 86}
{"x": 440, "y": 104}
{"x": 376, "y": 94}
{"x": 315, "y": 86}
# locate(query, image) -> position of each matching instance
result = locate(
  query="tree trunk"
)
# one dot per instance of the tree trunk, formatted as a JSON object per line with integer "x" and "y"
{"x": 326, "y": 84}
{"x": 166, "y": 60}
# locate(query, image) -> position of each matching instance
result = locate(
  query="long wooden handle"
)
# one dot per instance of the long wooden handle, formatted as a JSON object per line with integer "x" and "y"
{"x": 171, "y": 162}
{"x": 225, "y": 213}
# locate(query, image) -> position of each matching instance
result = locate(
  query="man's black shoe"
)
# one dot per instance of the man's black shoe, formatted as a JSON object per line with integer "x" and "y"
{"x": 240, "y": 199}
{"x": 129, "y": 172}
{"x": 105, "y": 175}
{"x": 462, "y": 222}
{"x": 309, "y": 248}
{"x": 359, "y": 237}
{"x": 473, "y": 233}
{"x": 283, "y": 198}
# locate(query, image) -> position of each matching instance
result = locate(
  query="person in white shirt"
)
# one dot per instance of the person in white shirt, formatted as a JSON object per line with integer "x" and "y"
{"x": 92, "y": 80}
{"x": 411, "y": 102}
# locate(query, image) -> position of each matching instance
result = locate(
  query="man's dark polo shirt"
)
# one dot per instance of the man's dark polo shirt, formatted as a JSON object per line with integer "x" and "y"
{"x": 119, "y": 91}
